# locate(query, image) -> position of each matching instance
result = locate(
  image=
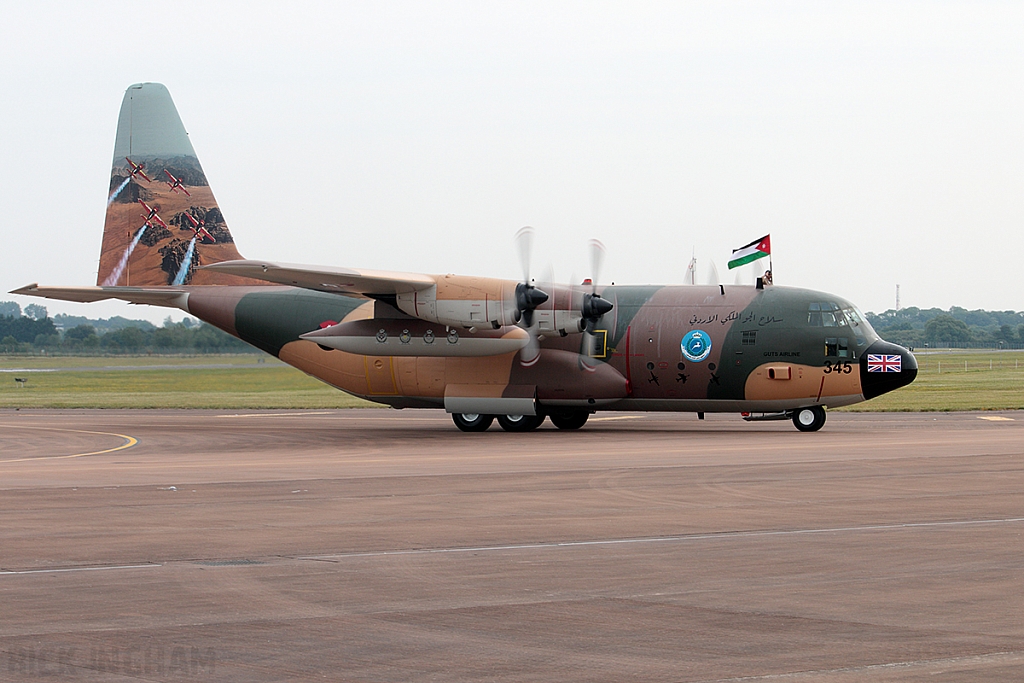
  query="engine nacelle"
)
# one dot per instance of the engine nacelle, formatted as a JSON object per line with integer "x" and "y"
{"x": 462, "y": 301}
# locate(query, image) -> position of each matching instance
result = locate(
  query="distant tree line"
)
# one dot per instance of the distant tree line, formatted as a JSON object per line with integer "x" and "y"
{"x": 957, "y": 327}
{"x": 38, "y": 333}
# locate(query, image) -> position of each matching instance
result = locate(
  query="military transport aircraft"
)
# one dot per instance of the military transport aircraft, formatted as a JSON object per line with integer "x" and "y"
{"x": 485, "y": 348}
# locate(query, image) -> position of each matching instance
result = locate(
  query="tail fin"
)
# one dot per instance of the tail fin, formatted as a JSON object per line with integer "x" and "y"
{"x": 162, "y": 219}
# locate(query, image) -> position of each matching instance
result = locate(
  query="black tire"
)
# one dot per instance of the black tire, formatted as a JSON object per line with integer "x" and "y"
{"x": 469, "y": 422}
{"x": 520, "y": 423}
{"x": 809, "y": 419}
{"x": 573, "y": 419}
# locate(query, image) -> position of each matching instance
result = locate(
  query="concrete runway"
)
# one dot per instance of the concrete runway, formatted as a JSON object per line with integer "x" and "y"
{"x": 371, "y": 545}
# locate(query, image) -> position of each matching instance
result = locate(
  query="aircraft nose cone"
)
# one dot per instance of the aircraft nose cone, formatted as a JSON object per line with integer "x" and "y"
{"x": 884, "y": 367}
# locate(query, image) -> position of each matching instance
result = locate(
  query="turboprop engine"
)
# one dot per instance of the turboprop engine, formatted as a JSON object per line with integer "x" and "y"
{"x": 474, "y": 302}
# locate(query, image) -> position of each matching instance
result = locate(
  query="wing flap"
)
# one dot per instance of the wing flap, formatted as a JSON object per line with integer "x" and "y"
{"x": 327, "y": 279}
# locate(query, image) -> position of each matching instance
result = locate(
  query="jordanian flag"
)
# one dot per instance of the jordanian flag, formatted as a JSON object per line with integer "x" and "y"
{"x": 759, "y": 248}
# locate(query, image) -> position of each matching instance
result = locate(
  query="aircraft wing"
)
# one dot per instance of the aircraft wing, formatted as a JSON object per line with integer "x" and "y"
{"x": 153, "y": 296}
{"x": 327, "y": 279}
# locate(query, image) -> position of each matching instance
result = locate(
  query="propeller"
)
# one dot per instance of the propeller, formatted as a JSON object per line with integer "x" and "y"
{"x": 593, "y": 305}
{"x": 713, "y": 274}
{"x": 528, "y": 297}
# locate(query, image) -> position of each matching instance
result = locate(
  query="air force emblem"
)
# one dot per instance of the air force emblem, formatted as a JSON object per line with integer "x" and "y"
{"x": 696, "y": 346}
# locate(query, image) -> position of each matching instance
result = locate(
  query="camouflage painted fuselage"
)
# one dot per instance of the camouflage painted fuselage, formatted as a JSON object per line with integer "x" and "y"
{"x": 771, "y": 349}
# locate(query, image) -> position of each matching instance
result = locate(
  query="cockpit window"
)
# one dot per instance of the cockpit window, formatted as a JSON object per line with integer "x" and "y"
{"x": 825, "y": 314}
{"x": 831, "y": 314}
{"x": 814, "y": 315}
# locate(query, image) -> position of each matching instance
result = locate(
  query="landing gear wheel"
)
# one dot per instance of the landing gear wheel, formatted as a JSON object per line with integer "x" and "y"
{"x": 520, "y": 423}
{"x": 573, "y": 419}
{"x": 471, "y": 422}
{"x": 809, "y": 419}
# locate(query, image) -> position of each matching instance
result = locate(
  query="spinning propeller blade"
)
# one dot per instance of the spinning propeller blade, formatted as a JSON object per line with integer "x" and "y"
{"x": 528, "y": 297}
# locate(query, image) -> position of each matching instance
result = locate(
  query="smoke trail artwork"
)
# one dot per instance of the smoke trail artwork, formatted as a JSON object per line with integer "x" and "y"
{"x": 113, "y": 195}
{"x": 179, "y": 279}
{"x": 115, "y": 274}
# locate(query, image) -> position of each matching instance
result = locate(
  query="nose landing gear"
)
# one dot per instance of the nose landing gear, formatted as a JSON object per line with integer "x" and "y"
{"x": 809, "y": 419}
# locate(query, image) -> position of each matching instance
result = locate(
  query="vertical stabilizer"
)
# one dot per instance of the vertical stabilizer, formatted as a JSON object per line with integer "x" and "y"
{"x": 162, "y": 219}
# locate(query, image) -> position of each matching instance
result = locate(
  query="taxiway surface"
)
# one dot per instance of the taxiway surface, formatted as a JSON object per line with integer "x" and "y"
{"x": 372, "y": 545}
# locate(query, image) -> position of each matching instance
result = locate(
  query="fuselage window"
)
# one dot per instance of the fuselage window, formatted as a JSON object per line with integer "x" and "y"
{"x": 837, "y": 347}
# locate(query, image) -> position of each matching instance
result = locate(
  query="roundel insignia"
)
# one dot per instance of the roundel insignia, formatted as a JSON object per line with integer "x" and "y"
{"x": 696, "y": 345}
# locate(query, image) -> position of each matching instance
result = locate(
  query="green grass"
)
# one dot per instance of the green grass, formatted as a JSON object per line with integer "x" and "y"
{"x": 58, "y": 362}
{"x": 249, "y": 385}
{"x": 992, "y": 381}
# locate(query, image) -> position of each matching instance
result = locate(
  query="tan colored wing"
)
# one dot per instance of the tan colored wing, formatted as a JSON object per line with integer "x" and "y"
{"x": 328, "y": 279}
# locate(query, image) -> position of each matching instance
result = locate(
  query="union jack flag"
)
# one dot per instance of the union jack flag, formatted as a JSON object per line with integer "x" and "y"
{"x": 880, "y": 362}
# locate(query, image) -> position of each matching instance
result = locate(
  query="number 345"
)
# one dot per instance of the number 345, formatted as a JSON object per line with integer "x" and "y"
{"x": 841, "y": 367}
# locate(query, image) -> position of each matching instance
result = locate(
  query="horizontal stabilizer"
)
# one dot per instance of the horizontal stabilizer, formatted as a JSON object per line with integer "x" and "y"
{"x": 153, "y": 296}
{"x": 327, "y": 279}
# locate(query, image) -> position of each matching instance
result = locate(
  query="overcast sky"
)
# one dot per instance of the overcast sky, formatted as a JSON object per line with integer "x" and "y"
{"x": 878, "y": 143}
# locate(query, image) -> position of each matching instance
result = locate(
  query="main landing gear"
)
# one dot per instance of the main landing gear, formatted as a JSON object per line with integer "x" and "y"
{"x": 471, "y": 422}
{"x": 520, "y": 423}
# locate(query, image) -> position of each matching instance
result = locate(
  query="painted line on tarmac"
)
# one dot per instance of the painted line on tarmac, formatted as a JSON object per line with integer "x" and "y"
{"x": 995, "y": 418}
{"x": 4, "y": 572}
{"x": 959, "y": 663}
{"x": 618, "y": 417}
{"x": 129, "y": 441}
{"x": 725, "y": 535}
{"x": 325, "y": 412}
